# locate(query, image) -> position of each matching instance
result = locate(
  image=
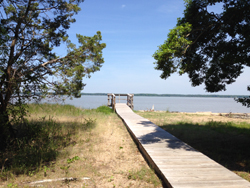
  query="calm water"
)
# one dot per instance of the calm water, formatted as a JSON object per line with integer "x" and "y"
{"x": 180, "y": 104}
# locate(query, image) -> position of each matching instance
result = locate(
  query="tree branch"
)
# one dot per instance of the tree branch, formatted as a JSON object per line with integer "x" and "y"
{"x": 46, "y": 63}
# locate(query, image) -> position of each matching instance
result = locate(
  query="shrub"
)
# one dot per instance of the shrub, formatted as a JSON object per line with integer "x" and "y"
{"x": 104, "y": 109}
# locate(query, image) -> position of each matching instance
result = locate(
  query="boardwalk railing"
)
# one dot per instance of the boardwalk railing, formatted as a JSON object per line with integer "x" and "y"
{"x": 113, "y": 98}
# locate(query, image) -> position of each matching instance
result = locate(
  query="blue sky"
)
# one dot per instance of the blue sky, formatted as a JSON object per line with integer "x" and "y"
{"x": 132, "y": 31}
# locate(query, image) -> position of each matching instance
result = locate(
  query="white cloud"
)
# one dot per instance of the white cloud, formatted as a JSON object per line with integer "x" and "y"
{"x": 123, "y": 6}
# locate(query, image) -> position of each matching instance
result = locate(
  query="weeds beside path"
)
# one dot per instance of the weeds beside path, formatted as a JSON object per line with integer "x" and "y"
{"x": 90, "y": 148}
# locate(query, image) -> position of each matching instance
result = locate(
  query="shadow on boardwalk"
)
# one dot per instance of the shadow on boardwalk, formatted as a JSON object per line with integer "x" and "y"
{"x": 161, "y": 136}
{"x": 225, "y": 144}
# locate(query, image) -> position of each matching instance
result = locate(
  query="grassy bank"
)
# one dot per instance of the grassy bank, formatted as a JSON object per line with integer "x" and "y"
{"x": 225, "y": 140}
{"x": 64, "y": 146}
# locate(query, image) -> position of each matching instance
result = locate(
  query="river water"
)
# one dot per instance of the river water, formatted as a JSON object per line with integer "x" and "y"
{"x": 180, "y": 104}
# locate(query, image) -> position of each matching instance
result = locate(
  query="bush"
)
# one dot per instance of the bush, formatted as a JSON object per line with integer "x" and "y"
{"x": 104, "y": 109}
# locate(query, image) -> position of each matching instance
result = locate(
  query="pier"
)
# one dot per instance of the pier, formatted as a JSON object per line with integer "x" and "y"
{"x": 113, "y": 98}
{"x": 178, "y": 164}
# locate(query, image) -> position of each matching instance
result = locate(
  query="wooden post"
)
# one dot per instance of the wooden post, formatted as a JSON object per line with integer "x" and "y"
{"x": 113, "y": 101}
{"x": 128, "y": 99}
{"x": 108, "y": 100}
{"x": 132, "y": 101}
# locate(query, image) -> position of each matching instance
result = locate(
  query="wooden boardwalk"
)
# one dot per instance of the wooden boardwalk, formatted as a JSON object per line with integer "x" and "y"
{"x": 179, "y": 165}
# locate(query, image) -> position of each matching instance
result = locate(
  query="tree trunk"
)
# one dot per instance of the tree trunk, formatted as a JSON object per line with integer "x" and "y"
{"x": 6, "y": 130}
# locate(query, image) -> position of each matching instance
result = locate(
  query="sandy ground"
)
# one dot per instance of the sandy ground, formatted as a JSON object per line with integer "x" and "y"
{"x": 197, "y": 116}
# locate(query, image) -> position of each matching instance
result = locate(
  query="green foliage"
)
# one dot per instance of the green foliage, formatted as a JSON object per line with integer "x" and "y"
{"x": 104, "y": 109}
{"x": 30, "y": 69}
{"x": 12, "y": 185}
{"x": 65, "y": 168}
{"x": 45, "y": 171}
{"x": 73, "y": 159}
{"x": 73, "y": 64}
{"x": 172, "y": 50}
{"x": 212, "y": 48}
{"x": 245, "y": 101}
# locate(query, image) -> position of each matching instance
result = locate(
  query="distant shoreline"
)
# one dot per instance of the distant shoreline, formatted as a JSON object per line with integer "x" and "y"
{"x": 173, "y": 95}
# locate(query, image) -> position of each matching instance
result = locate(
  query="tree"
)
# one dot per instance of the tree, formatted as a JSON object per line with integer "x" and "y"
{"x": 212, "y": 48}
{"x": 29, "y": 68}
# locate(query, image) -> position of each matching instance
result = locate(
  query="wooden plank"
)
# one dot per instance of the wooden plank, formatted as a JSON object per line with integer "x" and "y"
{"x": 210, "y": 184}
{"x": 178, "y": 164}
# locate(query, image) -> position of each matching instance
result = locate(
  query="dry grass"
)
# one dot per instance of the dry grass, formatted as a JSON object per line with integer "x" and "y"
{"x": 103, "y": 156}
{"x": 161, "y": 117}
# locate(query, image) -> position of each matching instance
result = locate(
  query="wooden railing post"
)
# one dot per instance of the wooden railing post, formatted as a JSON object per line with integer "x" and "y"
{"x": 113, "y": 101}
{"x": 108, "y": 100}
{"x": 128, "y": 99}
{"x": 131, "y": 101}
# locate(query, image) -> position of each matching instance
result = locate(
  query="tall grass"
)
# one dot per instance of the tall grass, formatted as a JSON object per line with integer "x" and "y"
{"x": 55, "y": 109}
{"x": 39, "y": 141}
{"x": 225, "y": 127}
{"x": 65, "y": 110}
